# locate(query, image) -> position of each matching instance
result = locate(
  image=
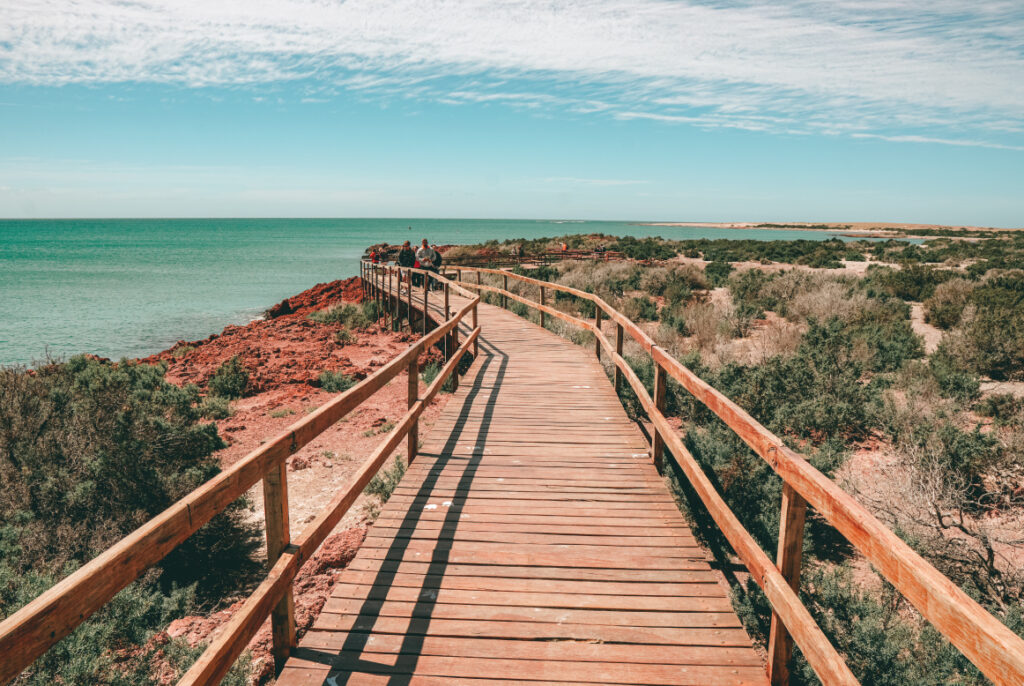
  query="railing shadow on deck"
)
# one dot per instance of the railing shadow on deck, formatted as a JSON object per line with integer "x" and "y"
{"x": 30, "y": 631}
{"x": 993, "y": 648}
{"x": 402, "y": 669}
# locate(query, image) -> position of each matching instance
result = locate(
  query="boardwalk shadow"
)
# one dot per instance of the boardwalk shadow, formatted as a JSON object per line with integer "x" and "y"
{"x": 482, "y": 394}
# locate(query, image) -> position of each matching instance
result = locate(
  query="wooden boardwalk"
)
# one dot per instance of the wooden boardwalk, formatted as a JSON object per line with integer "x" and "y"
{"x": 531, "y": 541}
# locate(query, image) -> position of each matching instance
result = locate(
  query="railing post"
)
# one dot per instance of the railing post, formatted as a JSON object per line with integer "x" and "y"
{"x": 597, "y": 338}
{"x": 275, "y": 507}
{"x": 414, "y": 392}
{"x": 504, "y": 286}
{"x": 476, "y": 345}
{"x": 478, "y": 278}
{"x": 455, "y": 346}
{"x": 618, "y": 351}
{"x": 791, "y": 544}
{"x": 408, "y": 304}
{"x": 426, "y": 289}
{"x": 542, "y": 303}
{"x": 387, "y": 300}
{"x": 398, "y": 298}
{"x": 448, "y": 349}
{"x": 658, "y": 441}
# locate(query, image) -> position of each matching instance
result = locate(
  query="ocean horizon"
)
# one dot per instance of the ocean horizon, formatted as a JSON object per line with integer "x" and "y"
{"x": 133, "y": 287}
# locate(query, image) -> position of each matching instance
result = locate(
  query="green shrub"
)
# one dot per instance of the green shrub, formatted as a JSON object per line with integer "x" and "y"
{"x": 89, "y": 451}
{"x": 881, "y": 639}
{"x": 383, "y": 483}
{"x": 889, "y": 344}
{"x": 747, "y": 288}
{"x": 335, "y": 382}
{"x": 913, "y": 282}
{"x": 953, "y": 379}
{"x": 348, "y": 315}
{"x": 717, "y": 272}
{"x": 344, "y": 337}
{"x": 281, "y": 412}
{"x": 1002, "y": 407}
{"x": 946, "y": 305}
{"x": 815, "y": 393}
{"x": 996, "y": 332}
{"x": 215, "y": 407}
{"x": 230, "y": 380}
{"x": 640, "y": 309}
{"x": 644, "y": 248}
{"x": 430, "y": 372}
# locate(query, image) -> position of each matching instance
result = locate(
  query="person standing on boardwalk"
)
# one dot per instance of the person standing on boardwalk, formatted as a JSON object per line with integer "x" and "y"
{"x": 426, "y": 257}
{"x": 437, "y": 258}
{"x": 406, "y": 256}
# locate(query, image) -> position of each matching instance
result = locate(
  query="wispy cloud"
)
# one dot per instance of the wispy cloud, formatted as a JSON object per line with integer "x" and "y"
{"x": 944, "y": 70}
{"x": 593, "y": 182}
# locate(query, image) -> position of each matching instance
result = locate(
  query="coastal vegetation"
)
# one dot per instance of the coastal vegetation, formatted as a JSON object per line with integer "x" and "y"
{"x": 89, "y": 450}
{"x": 819, "y": 342}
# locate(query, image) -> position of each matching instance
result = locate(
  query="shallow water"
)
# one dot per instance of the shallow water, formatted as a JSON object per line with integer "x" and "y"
{"x": 132, "y": 287}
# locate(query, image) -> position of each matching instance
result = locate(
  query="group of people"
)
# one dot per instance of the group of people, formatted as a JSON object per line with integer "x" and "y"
{"x": 427, "y": 257}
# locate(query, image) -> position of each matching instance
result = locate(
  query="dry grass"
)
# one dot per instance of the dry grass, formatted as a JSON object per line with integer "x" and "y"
{"x": 828, "y": 299}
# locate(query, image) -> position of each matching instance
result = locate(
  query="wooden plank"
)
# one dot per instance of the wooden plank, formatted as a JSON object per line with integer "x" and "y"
{"x": 518, "y": 613}
{"x": 530, "y": 630}
{"x": 602, "y": 672}
{"x": 577, "y": 651}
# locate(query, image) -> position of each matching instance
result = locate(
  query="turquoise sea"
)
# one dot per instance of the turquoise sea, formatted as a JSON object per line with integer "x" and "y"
{"x": 132, "y": 287}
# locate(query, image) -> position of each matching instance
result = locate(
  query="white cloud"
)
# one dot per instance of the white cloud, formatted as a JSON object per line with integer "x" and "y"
{"x": 593, "y": 182}
{"x": 803, "y": 65}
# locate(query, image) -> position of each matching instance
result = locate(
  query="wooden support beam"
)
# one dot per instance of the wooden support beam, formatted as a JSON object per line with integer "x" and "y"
{"x": 414, "y": 393}
{"x": 504, "y": 286}
{"x": 542, "y": 303}
{"x": 476, "y": 345}
{"x": 597, "y": 332}
{"x": 618, "y": 351}
{"x": 447, "y": 315}
{"x": 275, "y": 506}
{"x": 408, "y": 304}
{"x": 791, "y": 545}
{"x": 455, "y": 346}
{"x": 657, "y": 439}
{"x": 426, "y": 291}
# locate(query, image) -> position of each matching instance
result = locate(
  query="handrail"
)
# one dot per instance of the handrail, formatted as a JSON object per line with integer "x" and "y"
{"x": 30, "y": 631}
{"x": 983, "y": 639}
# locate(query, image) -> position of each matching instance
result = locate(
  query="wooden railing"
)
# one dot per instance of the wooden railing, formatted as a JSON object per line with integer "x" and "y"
{"x": 29, "y": 632}
{"x": 983, "y": 639}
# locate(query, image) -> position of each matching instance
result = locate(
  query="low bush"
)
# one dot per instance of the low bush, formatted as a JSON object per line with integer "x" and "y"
{"x": 348, "y": 315}
{"x": 89, "y": 451}
{"x": 913, "y": 282}
{"x": 955, "y": 379}
{"x": 1002, "y": 407}
{"x": 816, "y": 393}
{"x": 230, "y": 380}
{"x": 430, "y": 372}
{"x": 946, "y": 305}
{"x": 640, "y": 309}
{"x": 335, "y": 382}
{"x": 384, "y": 482}
{"x": 717, "y": 272}
{"x": 215, "y": 407}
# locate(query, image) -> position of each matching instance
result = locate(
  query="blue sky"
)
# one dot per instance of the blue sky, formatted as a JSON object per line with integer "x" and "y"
{"x": 725, "y": 111}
